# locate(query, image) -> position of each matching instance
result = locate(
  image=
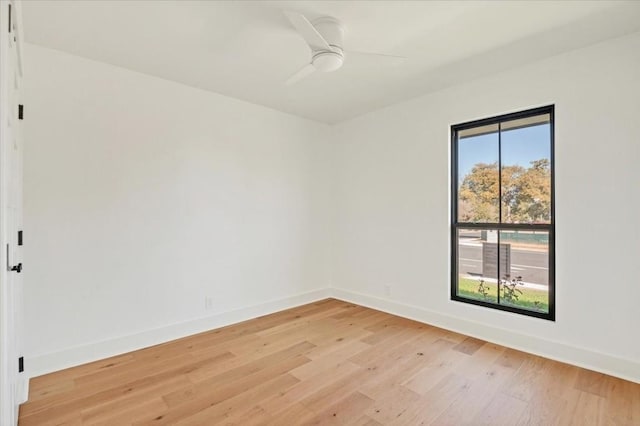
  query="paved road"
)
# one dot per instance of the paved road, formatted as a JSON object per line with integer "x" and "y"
{"x": 532, "y": 265}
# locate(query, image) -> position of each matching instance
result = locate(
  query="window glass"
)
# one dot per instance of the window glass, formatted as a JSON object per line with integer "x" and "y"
{"x": 478, "y": 193}
{"x": 502, "y": 248}
{"x": 526, "y": 171}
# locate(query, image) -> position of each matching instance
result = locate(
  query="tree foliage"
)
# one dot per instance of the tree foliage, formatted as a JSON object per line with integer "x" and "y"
{"x": 526, "y": 193}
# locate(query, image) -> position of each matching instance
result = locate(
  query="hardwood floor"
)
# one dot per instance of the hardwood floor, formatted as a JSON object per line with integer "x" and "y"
{"x": 330, "y": 362}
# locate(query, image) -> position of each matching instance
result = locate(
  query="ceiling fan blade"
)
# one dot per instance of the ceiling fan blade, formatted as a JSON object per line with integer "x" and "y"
{"x": 391, "y": 59}
{"x": 307, "y": 31}
{"x": 300, "y": 74}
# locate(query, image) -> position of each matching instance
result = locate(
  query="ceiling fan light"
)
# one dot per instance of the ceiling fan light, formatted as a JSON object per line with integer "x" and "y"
{"x": 327, "y": 61}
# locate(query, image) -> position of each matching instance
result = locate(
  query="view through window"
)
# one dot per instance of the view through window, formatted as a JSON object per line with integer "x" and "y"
{"x": 502, "y": 213}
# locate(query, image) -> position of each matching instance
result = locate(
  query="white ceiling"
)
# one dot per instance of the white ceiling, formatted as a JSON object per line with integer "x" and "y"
{"x": 247, "y": 49}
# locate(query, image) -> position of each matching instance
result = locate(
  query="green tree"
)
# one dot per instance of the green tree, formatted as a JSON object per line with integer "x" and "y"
{"x": 511, "y": 188}
{"x": 526, "y": 193}
{"x": 479, "y": 194}
{"x": 533, "y": 203}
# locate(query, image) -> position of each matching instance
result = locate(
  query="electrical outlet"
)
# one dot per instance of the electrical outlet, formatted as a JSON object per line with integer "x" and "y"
{"x": 208, "y": 303}
{"x": 387, "y": 290}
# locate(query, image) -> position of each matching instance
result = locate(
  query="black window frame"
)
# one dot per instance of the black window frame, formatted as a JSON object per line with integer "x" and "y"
{"x": 456, "y": 225}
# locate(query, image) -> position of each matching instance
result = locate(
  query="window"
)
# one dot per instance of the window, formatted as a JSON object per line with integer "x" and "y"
{"x": 502, "y": 224}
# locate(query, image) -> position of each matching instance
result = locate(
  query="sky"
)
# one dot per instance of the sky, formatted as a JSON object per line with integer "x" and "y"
{"x": 519, "y": 147}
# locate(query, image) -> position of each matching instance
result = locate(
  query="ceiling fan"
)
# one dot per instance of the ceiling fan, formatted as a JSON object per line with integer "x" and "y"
{"x": 324, "y": 37}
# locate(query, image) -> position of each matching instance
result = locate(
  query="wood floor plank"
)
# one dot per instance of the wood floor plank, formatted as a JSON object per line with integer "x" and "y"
{"x": 503, "y": 410}
{"x": 238, "y": 380}
{"x": 126, "y": 414}
{"x": 334, "y": 392}
{"x": 623, "y": 403}
{"x": 405, "y": 404}
{"x": 296, "y": 414}
{"x": 545, "y": 410}
{"x": 184, "y": 364}
{"x": 469, "y": 345}
{"x": 338, "y": 343}
{"x": 131, "y": 403}
{"x": 482, "y": 398}
{"x": 380, "y": 349}
{"x": 255, "y": 416}
{"x": 285, "y": 398}
{"x": 345, "y": 411}
{"x": 451, "y": 391}
{"x": 364, "y": 420}
{"x": 584, "y": 409}
{"x": 63, "y": 386}
{"x": 438, "y": 363}
{"x": 329, "y": 362}
{"x": 538, "y": 377}
{"x": 395, "y": 368}
{"x": 238, "y": 405}
{"x": 592, "y": 382}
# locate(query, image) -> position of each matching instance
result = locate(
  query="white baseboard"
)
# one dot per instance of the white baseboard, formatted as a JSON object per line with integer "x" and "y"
{"x": 22, "y": 393}
{"x": 604, "y": 363}
{"x": 608, "y": 364}
{"x": 83, "y": 354}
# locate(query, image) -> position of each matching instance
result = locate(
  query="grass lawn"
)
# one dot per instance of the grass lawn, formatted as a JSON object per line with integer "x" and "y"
{"x": 527, "y": 300}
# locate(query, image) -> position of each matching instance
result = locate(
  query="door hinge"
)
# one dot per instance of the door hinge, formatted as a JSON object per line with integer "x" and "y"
{"x": 9, "y": 17}
{"x": 20, "y": 364}
{"x": 19, "y": 238}
{"x": 16, "y": 268}
{"x": 20, "y": 112}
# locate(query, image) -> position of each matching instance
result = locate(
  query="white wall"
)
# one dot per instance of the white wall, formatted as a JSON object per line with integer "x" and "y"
{"x": 144, "y": 196}
{"x": 392, "y": 217}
